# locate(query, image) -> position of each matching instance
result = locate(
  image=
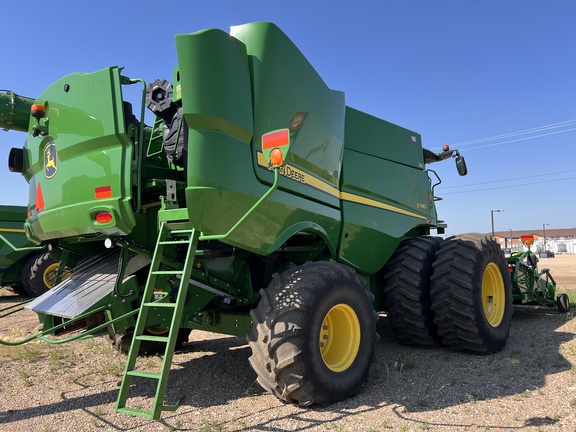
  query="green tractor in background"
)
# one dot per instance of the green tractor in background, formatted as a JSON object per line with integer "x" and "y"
{"x": 530, "y": 286}
{"x": 258, "y": 204}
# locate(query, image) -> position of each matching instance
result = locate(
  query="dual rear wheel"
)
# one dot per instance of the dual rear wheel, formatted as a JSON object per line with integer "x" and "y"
{"x": 455, "y": 293}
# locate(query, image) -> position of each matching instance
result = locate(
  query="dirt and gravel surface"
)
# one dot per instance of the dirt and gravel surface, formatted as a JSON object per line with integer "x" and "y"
{"x": 528, "y": 386}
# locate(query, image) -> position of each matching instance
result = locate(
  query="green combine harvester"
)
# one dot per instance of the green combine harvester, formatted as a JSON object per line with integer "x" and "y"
{"x": 258, "y": 204}
{"x": 24, "y": 267}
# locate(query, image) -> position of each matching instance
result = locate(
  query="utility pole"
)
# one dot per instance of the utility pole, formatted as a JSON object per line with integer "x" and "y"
{"x": 492, "y": 214}
{"x": 544, "y": 238}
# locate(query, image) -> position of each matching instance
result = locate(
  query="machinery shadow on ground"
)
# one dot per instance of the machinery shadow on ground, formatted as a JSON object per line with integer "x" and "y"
{"x": 430, "y": 379}
{"x": 416, "y": 378}
{"x": 215, "y": 372}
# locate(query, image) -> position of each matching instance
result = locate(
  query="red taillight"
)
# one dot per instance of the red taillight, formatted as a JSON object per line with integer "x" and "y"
{"x": 103, "y": 217}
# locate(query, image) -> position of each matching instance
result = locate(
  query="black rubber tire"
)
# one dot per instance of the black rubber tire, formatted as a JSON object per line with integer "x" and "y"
{"x": 122, "y": 343}
{"x": 463, "y": 264}
{"x": 19, "y": 290}
{"x": 406, "y": 281}
{"x": 35, "y": 274}
{"x": 287, "y": 328}
{"x": 563, "y": 303}
{"x": 176, "y": 151}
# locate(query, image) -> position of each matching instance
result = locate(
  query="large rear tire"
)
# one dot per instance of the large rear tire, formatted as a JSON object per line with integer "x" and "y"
{"x": 314, "y": 333}
{"x": 472, "y": 294}
{"x": 407, "y": 291}
{"x": 39, "y": 274}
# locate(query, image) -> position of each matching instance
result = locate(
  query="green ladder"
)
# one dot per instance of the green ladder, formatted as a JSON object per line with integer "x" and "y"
{"x": 170, "y": 234}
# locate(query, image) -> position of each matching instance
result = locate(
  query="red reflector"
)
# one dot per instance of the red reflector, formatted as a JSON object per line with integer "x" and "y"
{"x": 103, "y": 217}
{"x": 275, "y": 139}
{"x": 39, "y": 198}
{"x": 103, "y": 192}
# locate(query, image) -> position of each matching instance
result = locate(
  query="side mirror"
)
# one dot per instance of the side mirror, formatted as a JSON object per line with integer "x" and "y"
{"x": 461, "y": 165}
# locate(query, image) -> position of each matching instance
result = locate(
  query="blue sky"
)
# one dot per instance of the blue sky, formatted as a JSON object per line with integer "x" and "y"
{"x": 495, "y": 79}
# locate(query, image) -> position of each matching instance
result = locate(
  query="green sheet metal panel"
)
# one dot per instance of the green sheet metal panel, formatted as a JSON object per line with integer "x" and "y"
{"x": 225, "y": 178}
{"x": 371, "y": 135}
{"x": 385, "y": 193}
{"x": 289, "y": 93}
{"x": 12, "y": 229}
{"x": 83, "y": 164}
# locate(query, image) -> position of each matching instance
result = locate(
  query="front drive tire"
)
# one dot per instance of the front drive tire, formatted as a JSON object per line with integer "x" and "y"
{"x": 472, "y": 294}
{"x": 313, "y": 334}
{"x": 39, "y": 274}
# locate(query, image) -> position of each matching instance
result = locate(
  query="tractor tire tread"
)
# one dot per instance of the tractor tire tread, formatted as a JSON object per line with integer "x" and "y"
{"x": 406, "y": 281}
{"x": 456, "y": 294}
{"x": 279, "y": 341}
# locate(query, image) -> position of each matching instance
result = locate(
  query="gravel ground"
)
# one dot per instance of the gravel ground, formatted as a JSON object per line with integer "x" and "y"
{"x": 529, "y": 386}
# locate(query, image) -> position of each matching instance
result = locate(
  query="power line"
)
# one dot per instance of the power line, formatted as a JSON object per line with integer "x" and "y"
{"x": 507, "y": 180}
{"x": 521, "y": 132}
{"x": 563, "y": 124}
{"x": 520, "y": 139}
{"x": 509, "y": 186}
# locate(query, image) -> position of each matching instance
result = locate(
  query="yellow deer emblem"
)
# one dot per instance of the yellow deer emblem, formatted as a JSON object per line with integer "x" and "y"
{"x": 50, "y": 166}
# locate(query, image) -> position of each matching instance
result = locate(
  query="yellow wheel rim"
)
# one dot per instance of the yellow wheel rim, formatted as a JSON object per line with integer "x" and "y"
{"x": 493, "y": 295}
{"x": 340, "y": 337}
{"x": 49, "y": 275}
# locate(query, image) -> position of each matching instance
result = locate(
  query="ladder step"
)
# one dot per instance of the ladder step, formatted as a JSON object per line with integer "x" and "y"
{"x": 136, "y": 412}
{"x": 147, "y": 414}
{"x": 143, "y": 374}
{"x": 181, "y": 231}
{"x": 164, "y": 305}
{"x": 165, "y": 242}
{"x": 167, "y": 272}
{"x": 151, "y": 338}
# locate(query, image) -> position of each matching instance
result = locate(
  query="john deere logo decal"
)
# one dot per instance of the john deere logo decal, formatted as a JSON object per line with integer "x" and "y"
{"x": 50, "y": 164}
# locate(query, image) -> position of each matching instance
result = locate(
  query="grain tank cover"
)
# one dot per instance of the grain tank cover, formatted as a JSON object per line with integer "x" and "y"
{"x": 382, "y": 139}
